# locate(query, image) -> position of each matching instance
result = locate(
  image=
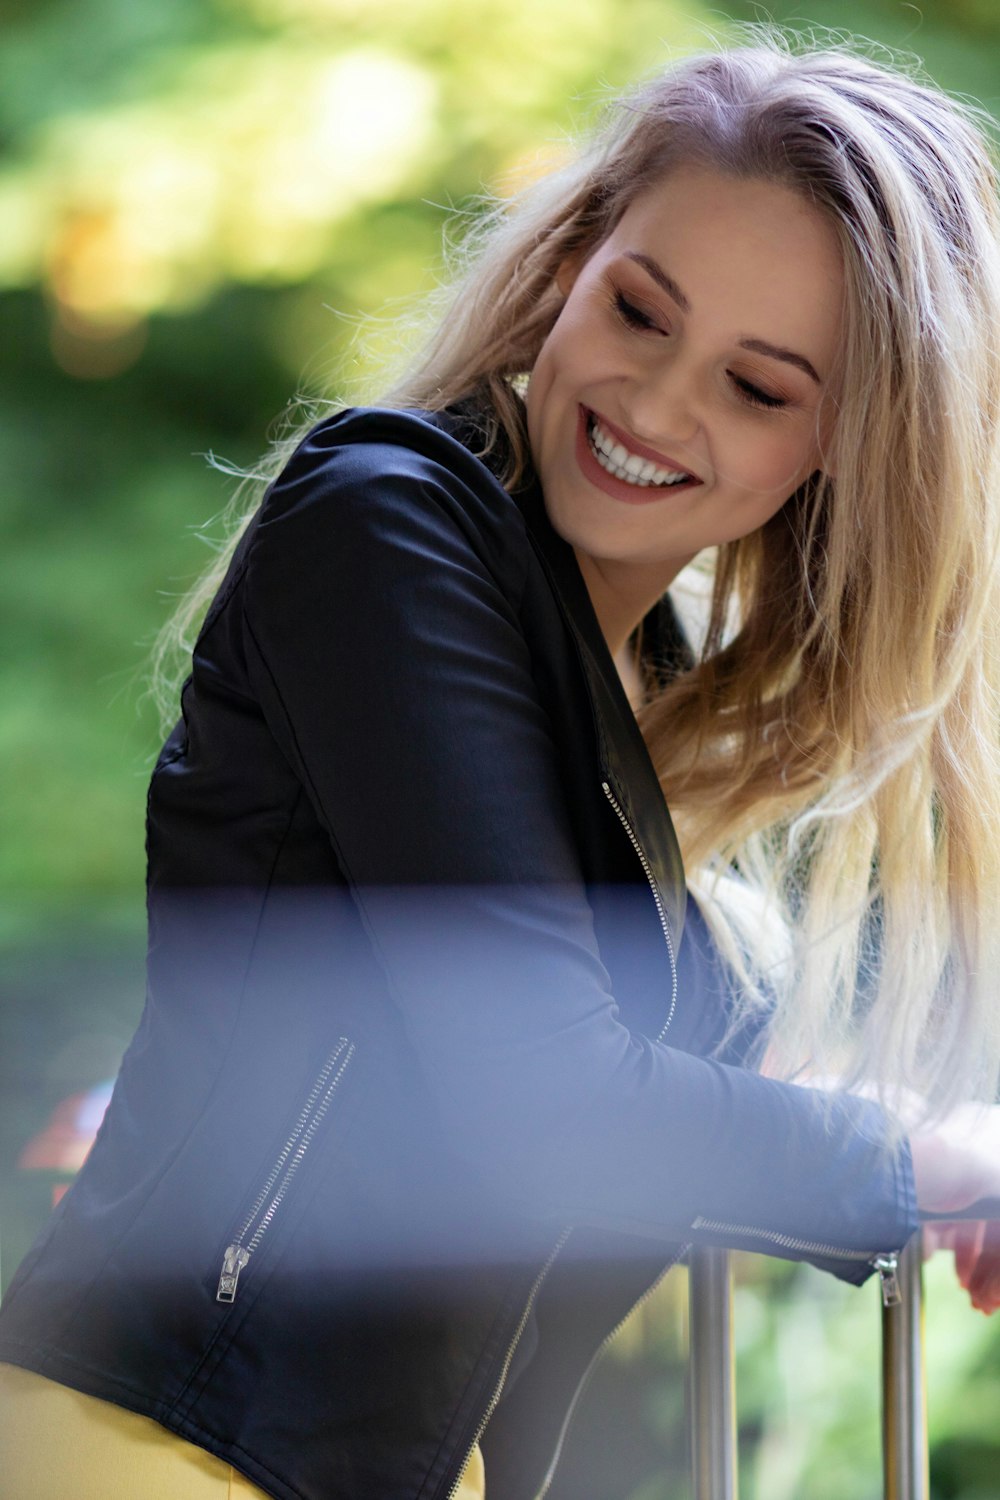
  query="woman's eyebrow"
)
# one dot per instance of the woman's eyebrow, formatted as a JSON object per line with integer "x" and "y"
{"x": 759, "y": 346}
{"x": 660, "y": 276}
{"x": 756, "y": 346}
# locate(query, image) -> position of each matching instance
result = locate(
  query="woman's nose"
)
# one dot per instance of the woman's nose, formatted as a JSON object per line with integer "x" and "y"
{"x": 663, "y": 405}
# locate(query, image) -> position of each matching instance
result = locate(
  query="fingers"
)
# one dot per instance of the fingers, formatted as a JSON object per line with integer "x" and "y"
{"x": 975, "y": 1244}
{"x": 983, "y": 1277}
{"x": 968, "y": 1243}
{"x": 938, "y": 1234}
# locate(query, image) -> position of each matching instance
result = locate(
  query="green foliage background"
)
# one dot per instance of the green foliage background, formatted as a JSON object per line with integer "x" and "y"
{"x": 202, "y": 203}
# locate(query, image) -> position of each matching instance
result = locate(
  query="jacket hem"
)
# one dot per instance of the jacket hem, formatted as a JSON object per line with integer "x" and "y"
{"x": 98, "y": 1383}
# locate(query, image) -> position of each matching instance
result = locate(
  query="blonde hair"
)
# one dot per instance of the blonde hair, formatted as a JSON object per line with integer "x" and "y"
{"x": 831, "y": 760}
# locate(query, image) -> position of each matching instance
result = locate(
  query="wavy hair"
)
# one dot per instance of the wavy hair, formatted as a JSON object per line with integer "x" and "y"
{"x": 832, "y": 759}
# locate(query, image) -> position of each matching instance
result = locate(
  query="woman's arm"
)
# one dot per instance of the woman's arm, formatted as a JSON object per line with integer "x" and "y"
{"x": 956, "y": 1166}
{"x": 383, "y": 639}
{"x": 956, "y": 1170}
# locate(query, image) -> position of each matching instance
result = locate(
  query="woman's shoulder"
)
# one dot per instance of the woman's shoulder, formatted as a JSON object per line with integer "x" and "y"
{"x": 392, "y": 479}
{"x": 380, "y": 455}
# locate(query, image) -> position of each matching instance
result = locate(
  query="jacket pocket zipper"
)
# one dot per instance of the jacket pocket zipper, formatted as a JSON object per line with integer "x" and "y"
{"x": 886, "y": 1264}
{"x": 271, "y": 1196}
{"x": 661, "y": 913}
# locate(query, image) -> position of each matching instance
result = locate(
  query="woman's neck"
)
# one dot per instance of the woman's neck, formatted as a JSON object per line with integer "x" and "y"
{"x": 623, "y": 594}
{"x": 626, "y": 660}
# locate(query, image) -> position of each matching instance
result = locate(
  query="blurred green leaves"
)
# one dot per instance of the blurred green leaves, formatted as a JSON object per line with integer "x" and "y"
{"x": 202, "y": 202}
{"x": 235, "y": 146}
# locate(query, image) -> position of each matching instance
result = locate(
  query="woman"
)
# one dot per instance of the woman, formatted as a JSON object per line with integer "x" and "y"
{"x": 429, "y": 1088}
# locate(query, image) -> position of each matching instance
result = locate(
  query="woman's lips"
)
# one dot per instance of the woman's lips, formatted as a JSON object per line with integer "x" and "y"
{"x": 620, "y": 489}
{"x": 632, "y": 445}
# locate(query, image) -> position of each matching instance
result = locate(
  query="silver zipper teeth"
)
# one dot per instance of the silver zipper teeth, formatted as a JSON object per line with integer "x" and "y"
{"x": 288, "y": 1161}
{"x": 289, "y": 1145}
{"x": 566, "y": 1232}
{"x": 492, "y": 1405}
{"x": 656, "y": 897}
{"x": 786, "y": 1241}
{"x": 595, "y": 1361}
{"x": 886, "y": 1263}
{"x": 303, "y": 1146}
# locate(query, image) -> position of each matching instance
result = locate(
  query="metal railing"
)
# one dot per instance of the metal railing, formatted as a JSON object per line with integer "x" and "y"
{"x": 712, "y": 1417}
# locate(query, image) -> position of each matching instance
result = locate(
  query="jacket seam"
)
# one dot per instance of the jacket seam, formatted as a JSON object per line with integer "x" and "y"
{"x": 251, "y": 951}
{"x": 171, "y": 1159}
{"x": 306, "y": 773}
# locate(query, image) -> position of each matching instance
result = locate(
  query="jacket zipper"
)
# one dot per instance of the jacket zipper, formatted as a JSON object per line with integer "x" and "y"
{"x": 498, "y": 1389}
{"x": 886, "y": 1264}
{"x": 272, "y": 1194}
{"x": 536, "y": 1286}
{"x": 598, "y": 1355}
{"x": 661, "y": 913}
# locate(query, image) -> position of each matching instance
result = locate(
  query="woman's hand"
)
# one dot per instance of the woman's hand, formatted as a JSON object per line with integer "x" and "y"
{"x": 956, "y": 1161}
{"x": 976, "y": 1246}
{"x": 956, "y": 1164}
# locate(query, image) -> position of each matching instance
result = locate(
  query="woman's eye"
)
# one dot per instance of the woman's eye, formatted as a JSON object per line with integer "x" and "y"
{"x": 634, "y": 317}
{"x": 753, "y": 394}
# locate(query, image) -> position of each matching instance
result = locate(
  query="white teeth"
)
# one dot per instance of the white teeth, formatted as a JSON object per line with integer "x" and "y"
{"x": 622, "y": 464}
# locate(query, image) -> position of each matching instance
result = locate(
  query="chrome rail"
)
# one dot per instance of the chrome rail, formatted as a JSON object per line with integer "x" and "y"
{"x": 712, "y": 1375}
{"x": 904, "y": 1396}
{"x": 712, "y": 1380}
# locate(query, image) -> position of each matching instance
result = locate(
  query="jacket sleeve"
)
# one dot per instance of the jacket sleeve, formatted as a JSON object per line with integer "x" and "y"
{"x": 382, "y": 637}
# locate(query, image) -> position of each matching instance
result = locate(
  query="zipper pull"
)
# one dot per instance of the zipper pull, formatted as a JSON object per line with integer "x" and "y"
{"x": 887, "y": 1267}
{"x": 233, "y": 1262}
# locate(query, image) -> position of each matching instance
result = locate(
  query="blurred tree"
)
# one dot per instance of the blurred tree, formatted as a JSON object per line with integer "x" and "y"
{"x": 202, "y": 205}
{"x": 185, "y": 193}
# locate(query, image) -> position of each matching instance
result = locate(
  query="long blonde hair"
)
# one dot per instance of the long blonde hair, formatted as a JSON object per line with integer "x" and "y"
{"x": 832, "y": 759}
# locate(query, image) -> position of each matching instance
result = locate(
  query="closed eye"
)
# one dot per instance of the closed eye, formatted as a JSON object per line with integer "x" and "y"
{"x": 633, "y": 316}
{"x": 753, "y": 395}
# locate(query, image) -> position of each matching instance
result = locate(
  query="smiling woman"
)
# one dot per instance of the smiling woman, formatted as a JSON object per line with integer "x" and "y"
{"x": 690, "y": 343}
{"x": 441, "y": 1066}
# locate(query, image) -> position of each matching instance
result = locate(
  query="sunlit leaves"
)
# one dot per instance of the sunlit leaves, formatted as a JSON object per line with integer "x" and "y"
{"x": 241, "y": 157}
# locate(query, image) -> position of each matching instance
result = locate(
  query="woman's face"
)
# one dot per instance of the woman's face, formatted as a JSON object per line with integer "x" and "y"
{"x": 684, "y": 391}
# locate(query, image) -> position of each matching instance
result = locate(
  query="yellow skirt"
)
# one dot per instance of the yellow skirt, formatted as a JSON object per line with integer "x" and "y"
{"x": 56, "y": 1441}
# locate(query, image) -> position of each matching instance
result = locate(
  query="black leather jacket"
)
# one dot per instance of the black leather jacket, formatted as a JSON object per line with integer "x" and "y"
{"x": 418, "y": 1003}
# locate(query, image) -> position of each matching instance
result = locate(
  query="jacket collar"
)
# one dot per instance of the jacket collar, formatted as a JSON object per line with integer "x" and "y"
{"x": 625, "y": 761}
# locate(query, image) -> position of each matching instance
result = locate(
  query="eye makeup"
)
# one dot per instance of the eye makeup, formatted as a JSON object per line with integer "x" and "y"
{"x": 637, "y": 319}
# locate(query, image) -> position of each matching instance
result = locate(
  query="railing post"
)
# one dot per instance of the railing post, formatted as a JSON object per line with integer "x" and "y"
{"x": 712, "y": 1423}
{"x": 904, "y": 1399}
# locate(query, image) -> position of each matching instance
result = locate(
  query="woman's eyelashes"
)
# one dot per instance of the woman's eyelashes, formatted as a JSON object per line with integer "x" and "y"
{"x": 754, "y": 395}
{"x": 635, "y": 317}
